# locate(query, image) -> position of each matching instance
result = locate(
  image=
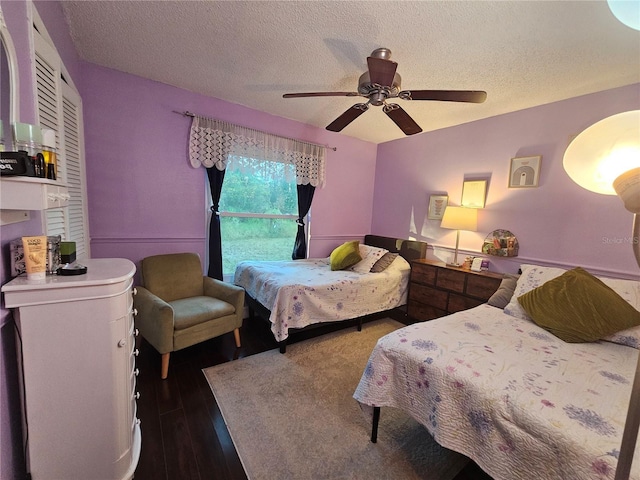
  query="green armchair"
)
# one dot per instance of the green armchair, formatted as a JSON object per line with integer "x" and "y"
{"x": 178, "y": 306}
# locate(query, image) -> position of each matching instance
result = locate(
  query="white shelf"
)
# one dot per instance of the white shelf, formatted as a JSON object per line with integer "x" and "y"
{"x": 29, "y": 193}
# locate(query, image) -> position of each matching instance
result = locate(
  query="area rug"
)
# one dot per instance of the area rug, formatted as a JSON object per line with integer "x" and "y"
{"x": 293, "y": 415}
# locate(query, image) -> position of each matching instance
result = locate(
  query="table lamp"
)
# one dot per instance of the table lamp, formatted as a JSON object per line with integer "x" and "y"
{"x": 605, "y": 158}
{"x": 459, "y": 218}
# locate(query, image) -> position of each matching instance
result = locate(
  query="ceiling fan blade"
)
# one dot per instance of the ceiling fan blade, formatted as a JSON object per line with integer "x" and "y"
{"x": 321, "y": 94}
{"x": 401, "y": 119}
{"x": 347, "y": 117}
{"x": 471, "y": 96}
{"x": 381, "y": 71}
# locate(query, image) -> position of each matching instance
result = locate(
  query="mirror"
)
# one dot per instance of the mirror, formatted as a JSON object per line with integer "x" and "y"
{"x": 8, "y": 83}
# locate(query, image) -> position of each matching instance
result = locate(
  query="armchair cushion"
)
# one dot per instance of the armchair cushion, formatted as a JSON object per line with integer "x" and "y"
{"x": 188, "y": 312}
{"x": 228, "y": 292}
{"x": 173, "y": 276}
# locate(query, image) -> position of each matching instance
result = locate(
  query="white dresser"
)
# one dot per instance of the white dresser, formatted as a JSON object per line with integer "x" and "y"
{"x": 79, "y": 376}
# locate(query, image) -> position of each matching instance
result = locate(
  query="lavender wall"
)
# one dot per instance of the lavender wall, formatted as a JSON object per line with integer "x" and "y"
{"x": 11, "y": 456}
{"x": 145, "y": 198}
{"x": 556, "y": 223}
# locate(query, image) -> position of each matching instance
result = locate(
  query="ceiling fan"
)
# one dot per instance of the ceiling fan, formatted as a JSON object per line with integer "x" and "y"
{"x": 380, "y": 83}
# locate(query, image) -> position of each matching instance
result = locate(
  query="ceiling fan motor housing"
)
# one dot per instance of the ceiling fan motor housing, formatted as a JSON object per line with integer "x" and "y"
{"x": 366, "y": 88}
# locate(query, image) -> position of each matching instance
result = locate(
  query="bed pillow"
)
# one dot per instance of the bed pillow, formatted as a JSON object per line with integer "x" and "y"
{"x": 345, "y": 255}
{"x": 630, "y": 291}
{"x": 532, "y": 277}
{"x": 502, "y": 296}
{"x": 384, "y": 262}
{"x": 370, "y": 255}
{"x": 578, "y": 307}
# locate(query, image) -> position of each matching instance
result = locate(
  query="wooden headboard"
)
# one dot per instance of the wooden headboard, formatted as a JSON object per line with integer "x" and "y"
{"x": 409, "y": 249}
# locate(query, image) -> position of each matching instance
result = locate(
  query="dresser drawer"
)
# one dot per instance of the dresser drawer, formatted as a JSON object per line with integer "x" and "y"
{"x": 428, "y": 296}
{"x": 422, "y": 312}
{"x": 424, "y": 274}
{"x": 482, "y": 287}
{"x": 457, "y": 303}
{"x": 450, "y": 280}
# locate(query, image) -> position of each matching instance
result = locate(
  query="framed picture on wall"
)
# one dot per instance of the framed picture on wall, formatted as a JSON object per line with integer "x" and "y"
{"x": 524, "y": 172}
{"x": 474, "y": 193}
{"x": 437, "y": 204}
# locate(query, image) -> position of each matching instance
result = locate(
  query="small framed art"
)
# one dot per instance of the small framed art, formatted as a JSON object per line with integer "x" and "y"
{"x": 524, "y": 172}
{"x": 474, "y": 193}
{"x": 437, "y": 204}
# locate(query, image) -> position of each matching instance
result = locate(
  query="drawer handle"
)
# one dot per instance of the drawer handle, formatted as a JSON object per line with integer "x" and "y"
{"x": 122, "y": 343}
{"x": 136, "y": 352}
{"x": 136, "y": 332}
{"x": 136, "y": 395}
{"x": 136, "y": 372}
{"x": 135, "y": 312}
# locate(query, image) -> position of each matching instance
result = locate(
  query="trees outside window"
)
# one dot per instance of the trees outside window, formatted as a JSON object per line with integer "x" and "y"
{"x": 258, "y": 212}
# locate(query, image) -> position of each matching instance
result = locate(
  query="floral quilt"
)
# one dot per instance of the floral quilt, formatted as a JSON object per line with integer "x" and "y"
{"x": 304, "y": 292}
{"x": 516, "y": 399}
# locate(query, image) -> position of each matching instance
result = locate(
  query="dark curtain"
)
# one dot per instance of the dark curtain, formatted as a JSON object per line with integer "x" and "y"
{"x": 305, "y": 196}
{"x": 216, "y": 177}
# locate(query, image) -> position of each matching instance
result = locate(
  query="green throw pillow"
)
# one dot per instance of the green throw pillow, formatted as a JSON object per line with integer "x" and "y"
{"x": 345, "y": 255}
{"x": 578, "y": 307}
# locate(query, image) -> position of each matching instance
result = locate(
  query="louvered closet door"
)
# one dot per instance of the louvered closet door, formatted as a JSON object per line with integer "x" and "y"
{"x": 74, "y": 164}
{"x": 60, "y": 109}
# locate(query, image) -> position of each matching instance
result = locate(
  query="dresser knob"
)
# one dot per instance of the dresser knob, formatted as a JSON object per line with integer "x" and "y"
{"x": 134, "y": 291}
{"x": 136, "y": 395}
{"x": 122, "y": 343}
{"x": 135, "y": 312}
{"x": 136, "y": 332}
{"x": 136, "y": 352}
{"x": 136, "y": 372}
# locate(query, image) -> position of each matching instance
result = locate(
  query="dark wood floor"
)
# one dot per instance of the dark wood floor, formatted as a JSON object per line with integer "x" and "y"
{"x": 183, "y": 434}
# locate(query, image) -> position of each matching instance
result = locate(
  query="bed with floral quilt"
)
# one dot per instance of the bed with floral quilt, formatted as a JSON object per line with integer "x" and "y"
{"x": 299, "y": 293}
{"x": 515, "y": 390}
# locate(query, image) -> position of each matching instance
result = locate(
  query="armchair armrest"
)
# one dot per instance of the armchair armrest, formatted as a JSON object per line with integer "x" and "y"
{"x": 154, "y": 319}
{"x": 225, "y": 291}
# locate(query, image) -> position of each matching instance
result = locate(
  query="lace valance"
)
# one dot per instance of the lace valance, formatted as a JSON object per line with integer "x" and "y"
{"x": 224, "y": 145}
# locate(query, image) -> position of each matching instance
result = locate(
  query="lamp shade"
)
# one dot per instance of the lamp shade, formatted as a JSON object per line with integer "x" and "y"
{"x": 604, "y": 151}
{"x": 460, "y": 218}
{"x": 627, "y": 11}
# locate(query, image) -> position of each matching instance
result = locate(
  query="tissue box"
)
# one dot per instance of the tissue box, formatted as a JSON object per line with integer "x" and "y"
{"x": 17, "y": 255}
{"x": 67, "y": 252}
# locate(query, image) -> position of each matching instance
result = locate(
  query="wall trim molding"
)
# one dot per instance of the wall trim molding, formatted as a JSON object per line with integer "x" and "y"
{"x": 110, "y": 240}
{"x": 340, "y": 237}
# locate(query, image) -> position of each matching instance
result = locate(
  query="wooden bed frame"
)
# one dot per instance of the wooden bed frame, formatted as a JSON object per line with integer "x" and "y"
{"x": 409, "y": 249}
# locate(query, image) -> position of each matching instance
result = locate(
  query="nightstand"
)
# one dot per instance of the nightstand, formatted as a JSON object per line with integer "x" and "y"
{"x": 436, "y": 290}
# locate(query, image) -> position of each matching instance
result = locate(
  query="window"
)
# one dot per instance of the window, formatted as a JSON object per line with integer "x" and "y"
{"x": 258, "y": 212}
{"x": 60, "y": 109}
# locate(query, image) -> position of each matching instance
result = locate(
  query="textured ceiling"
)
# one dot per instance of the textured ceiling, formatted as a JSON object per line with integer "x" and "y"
{"x": 522, "y": 53}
